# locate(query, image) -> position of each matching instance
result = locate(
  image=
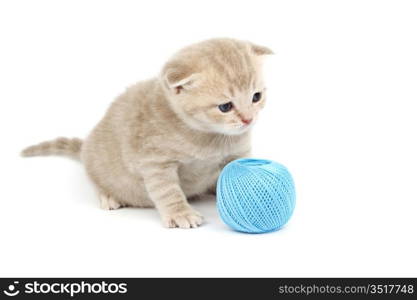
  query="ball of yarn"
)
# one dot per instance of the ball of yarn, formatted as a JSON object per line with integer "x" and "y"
{"x": 255, "y": 195}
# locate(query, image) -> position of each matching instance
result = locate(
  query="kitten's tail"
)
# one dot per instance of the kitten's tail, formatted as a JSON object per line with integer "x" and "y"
{"x": 59, "y": 146}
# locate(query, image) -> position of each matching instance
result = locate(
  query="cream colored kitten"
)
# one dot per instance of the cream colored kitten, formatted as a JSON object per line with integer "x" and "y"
{"x": 166, "y": 139}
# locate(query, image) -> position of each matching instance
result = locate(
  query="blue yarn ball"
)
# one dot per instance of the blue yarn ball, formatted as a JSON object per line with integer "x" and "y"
{"x": 255, "y": 195}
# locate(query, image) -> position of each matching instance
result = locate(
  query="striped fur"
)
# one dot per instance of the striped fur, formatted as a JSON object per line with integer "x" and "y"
{"x": 60, "y": 146}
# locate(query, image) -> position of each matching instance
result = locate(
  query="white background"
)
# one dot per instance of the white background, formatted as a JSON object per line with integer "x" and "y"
{"x": 341, "y": 116}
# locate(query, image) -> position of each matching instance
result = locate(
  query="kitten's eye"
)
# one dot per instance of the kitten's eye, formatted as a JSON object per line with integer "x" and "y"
{"x": 256, "y": 97}
{"x": 226, "y": 107}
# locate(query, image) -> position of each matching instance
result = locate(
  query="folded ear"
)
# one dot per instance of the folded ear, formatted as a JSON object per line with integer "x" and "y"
{"x": 178, "y": 77}
{"x": 261, "y": 50}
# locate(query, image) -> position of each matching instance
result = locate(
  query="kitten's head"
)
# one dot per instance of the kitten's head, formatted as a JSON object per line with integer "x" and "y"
{"x": 216, "y": 85}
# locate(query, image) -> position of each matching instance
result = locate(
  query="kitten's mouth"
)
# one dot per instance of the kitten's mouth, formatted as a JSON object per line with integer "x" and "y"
{"x": 246, "y": 125}
{"x": 242, "y": 127}
{"x": 233, "y": 129}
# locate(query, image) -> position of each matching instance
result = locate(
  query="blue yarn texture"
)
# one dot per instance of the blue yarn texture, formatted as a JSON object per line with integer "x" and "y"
{"x": 255, "y": 195}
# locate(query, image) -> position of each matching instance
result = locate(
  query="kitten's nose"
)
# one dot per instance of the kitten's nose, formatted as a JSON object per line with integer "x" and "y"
{"x": 247, "y": 121}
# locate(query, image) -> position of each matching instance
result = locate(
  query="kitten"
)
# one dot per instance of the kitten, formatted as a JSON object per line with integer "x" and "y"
{"x": 166, "y": 139}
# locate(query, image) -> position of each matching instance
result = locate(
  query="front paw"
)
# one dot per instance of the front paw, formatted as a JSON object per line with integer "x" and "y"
{"x": 185, "y": 217}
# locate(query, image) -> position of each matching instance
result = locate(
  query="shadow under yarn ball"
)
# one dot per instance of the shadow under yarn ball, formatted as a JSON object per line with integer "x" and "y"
{"x": 255, "y": 195}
